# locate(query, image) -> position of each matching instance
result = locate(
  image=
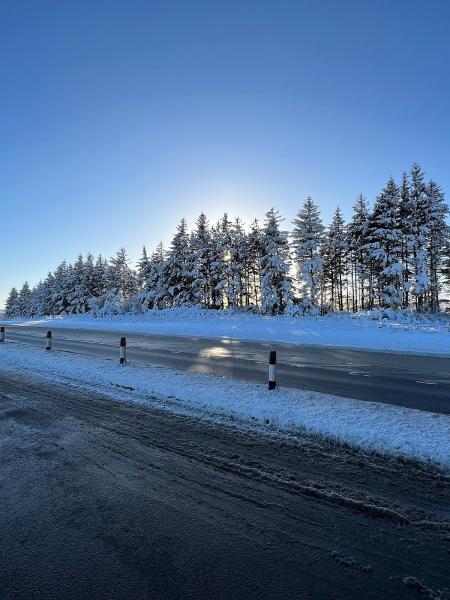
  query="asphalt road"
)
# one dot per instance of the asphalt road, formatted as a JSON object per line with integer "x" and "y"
{"x": 421, "y": 382}
{"x": 109, "y": 500}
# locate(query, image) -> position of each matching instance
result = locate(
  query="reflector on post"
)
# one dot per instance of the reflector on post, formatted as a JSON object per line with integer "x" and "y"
{"x": 272, "y": 370}
{"x": 123, "y": 350}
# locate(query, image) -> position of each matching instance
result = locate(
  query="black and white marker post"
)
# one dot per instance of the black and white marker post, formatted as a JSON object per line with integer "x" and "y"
{"x": 49, "y": 340}
{"x": 2, "y": 334}
{"x": 272, "y": 370}
{"x": 123, "y": 350}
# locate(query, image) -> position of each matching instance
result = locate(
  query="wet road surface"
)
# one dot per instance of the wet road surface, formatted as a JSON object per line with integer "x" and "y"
{"x": 412, "y": 381}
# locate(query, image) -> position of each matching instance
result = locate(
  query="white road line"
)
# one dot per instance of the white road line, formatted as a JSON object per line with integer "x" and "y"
{"x": 359, "y": 373}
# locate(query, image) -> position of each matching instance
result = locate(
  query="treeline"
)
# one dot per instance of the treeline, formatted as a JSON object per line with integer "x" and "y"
{"x": 395, "y": 255}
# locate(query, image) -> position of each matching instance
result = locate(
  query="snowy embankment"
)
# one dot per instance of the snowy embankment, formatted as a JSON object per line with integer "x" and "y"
{"x": 372, "y": 426}
{"x": 408, "y": 335}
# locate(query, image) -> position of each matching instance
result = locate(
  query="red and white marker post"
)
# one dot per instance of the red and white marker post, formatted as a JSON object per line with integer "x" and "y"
{"x": 123, "y": 350}
{"x": 272, "y": 370}
{"x": 49, "y": 340}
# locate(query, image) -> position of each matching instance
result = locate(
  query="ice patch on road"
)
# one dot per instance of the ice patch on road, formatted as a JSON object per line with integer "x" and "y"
{"x": 390, "y": 429}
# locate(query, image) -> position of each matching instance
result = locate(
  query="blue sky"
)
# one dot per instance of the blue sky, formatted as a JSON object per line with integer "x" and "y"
{"x": 118, "y": 118}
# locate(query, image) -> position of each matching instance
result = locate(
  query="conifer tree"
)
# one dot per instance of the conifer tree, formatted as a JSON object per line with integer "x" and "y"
{"x": 78, "y": 294}
{"x": 49, "y": 283}
{"x": 120, "y": 276}
{"x": 24, "y": 300}
{"x": 99, "y": 281}
{"x": 201, "y": 247}
{"x": 89, "y": 278}
{"x": 221, "y": 263}
{"x": 179, "y": 269}
{"x": 419, "y": 234}
{"x": 143, "y": 267}
{"x": 335, "y": 254}
{"x": 59, "y": 296}
{"x": 437, "y": 238}
{"x": 406, "y": 214}
{"x": 12, "y": 304}
{"x": 445, "y": 269}
{"x": 154, "y": 283}
{"x": 385, "y": 244}
{"x": 239, "y": 265}
{"x": 276, "y": 282}
{"x": 357, "y": 239}
{"x": 255, "y": 249}
{"x": 307, "y": 235}
{"x": 39, "y": 297}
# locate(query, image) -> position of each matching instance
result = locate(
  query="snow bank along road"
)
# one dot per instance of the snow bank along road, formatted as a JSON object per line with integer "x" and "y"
{"x": 111, "y": 500}
{"x": 412, "y": 381}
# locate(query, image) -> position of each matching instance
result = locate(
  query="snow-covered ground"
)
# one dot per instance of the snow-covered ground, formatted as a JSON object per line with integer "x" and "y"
{"x": 374, "y": 426}
{"x": 428, "y": 336}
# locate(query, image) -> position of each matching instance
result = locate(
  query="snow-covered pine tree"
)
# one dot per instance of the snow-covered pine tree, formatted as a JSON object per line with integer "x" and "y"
{"x": 178, "y": 271}
{"x": 307, "y": 236}
{"x": 385, "y": 246}
{"x": 217, "y": 274}
{"x": 143, "y": 267}
{"x": 335, "y": 251}
{"x": 221, "y": 263}
{"x": 109, "y": 304}
{"x": 59, "y": 295}
{"x": 120, "y": 276}
{"x": 356, "y": 236}
{"x": 24, "y": 300}
{"x": 49, "y": 282}
{"x": 69, "y": 287}
{"x": 437, "y": 212}
{"x": 239, "y": 264}
{"x": 445, "y": 269}
{"x": 89, "y": 280}
{"x": 406, "y": 214}
{"x": 99, "y": 283}
{"x": 419, "y": 235}
{"x": 12, "y": 304}
{"x": 39, "y": 297}
{"x": 201, "y": 248}
{"x": 276, "y": 281}
{"x": 79, "y": 288}
{"x": 154, "y": 288}
{"x": 228, "y": 263}
{"x": 254, "y": 252}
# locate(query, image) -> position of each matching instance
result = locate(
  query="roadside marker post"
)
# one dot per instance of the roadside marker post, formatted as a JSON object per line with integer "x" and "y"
{"x": 123, "y": 350}
{"x": 49, "y": 340}
{"x": 272, "y": 370}
{"x": 2, "y": 334}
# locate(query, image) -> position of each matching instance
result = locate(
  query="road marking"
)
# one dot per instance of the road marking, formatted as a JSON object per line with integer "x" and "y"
{"x": 359, "y": 373}
{"x": 427, "y": 382}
